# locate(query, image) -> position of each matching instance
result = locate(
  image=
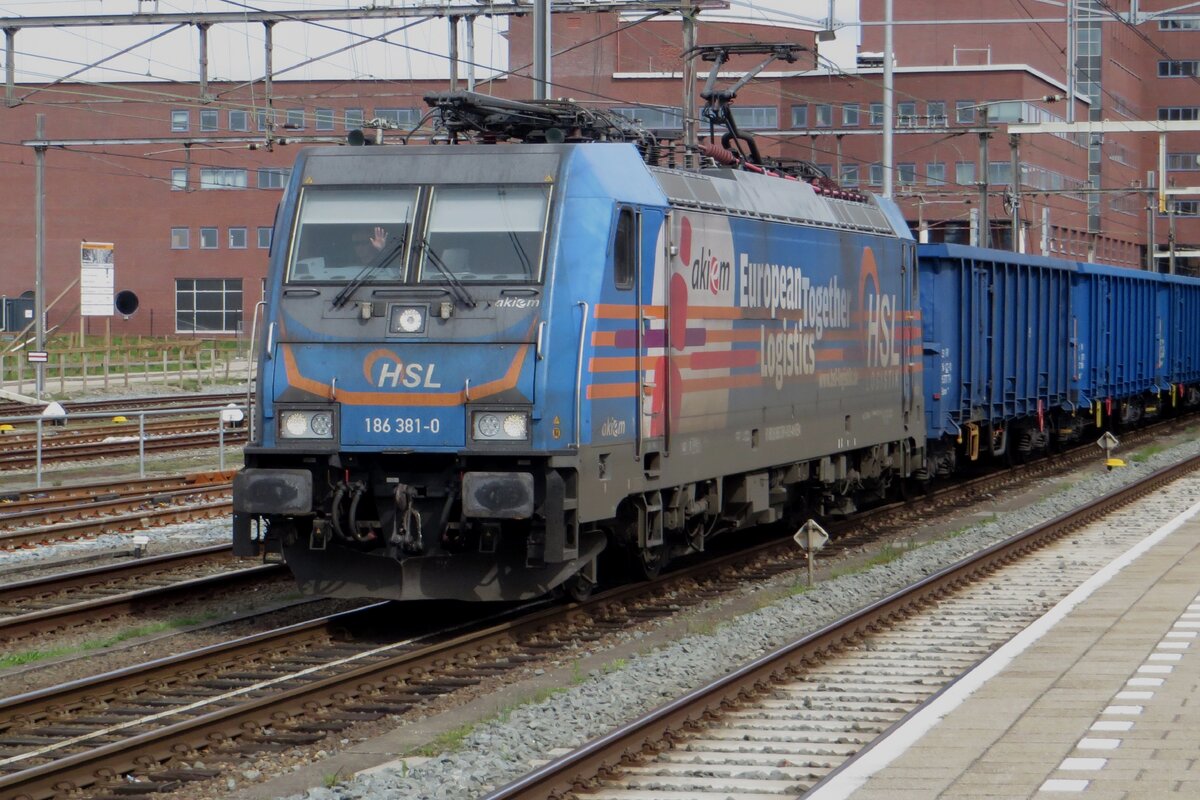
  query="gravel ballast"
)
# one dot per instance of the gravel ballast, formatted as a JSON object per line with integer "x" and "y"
{"x": 499, "y": 751}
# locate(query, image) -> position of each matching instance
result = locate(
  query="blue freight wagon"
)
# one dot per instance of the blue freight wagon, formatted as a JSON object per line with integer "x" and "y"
{"x": 997, "y": 341}
{"x": 1120, "y": 318}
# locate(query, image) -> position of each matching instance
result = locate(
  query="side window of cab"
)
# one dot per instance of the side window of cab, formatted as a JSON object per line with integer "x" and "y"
{"x": 625, "y": 249}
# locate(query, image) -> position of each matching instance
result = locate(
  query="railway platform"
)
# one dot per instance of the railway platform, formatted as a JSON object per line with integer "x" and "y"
{"x": 1100, "y": 698}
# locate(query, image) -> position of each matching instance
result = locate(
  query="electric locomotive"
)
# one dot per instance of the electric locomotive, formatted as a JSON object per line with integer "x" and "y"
{"x": 489, "y": 363}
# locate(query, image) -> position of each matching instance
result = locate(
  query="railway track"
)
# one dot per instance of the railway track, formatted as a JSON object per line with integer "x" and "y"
{"x": 781, "y": 724}
{"x": 177, "y": 436}
{"x": 92, "y": 431}
{"x": 138, "y": 721}
{"x": 50, "y": 604}
{"x": 292, "y": 689}
{"x": 23, "y": 500}
{"x": 9, "y": 409}
{"x": 35, "y": 517}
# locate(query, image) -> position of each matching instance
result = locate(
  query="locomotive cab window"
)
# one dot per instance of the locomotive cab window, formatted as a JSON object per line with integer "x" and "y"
{"x": 625, "y": 250}
{"x": 485, "y": 234}
{"x": 343, "y": 232}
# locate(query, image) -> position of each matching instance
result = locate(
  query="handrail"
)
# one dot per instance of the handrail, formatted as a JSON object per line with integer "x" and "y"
{"x": 259, "y": 306}
{"x": 579, "y": 372}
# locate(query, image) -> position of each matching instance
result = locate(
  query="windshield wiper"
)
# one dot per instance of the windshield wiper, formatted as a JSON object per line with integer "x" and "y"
{"x": 385, "y": 255}
{"x": 456, "y": 286}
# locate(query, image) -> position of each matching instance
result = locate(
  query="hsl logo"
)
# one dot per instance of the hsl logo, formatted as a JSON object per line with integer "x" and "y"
{"x": 883, "y": 349}
{"x": 392, "y": 372}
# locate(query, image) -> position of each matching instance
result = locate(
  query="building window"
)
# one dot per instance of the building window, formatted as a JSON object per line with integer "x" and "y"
{"x": 273, "y": 177}
{"x": 209, "y": 305}
{"x": 826, "y": 170}
{"x": 295, "y": 119}
{"x": 354, "y": 118}
{"x": 876, "y": 113}
{"x": 1181, "y": 113}
{"x": 999, "y": 173}
{"x": 1178, "y": 69}
{"x": 800, "y": 116}
{"x": 756, "y": 116}
{"x": 936, "y": 111}
{"x": 264, "y": 119}
{"x": 654, "y": 117}
{"x": 1179, "y": 24}
{"x": 324, "y": 119}
{"x": 964, "y": 112}
{"x": 179, "y": 239}
{"x": 1183, "y": 162}
{"x": 964, "y": 173}
{"x": 264, "y": 238}
{"x": 208, "y": 238}
{"x": 906, "y": 173}
{"x": 398, "y": 117}
{"x": 822, "y": 115}
{"x": 181, "y": 119}
{"x": 935, "y": 173}
{"x": 850, "y": 175}
{"x": 906, "y": 115}
{"x": 850, "y": 115}
{"x": 237, "y": 238}
{"x": 215, "y": 178}
{"x": 875, "y": 175}
{"x": 239, "y": 121}
{"x": 209, "y": 119}
{"x": 179, "y": 179}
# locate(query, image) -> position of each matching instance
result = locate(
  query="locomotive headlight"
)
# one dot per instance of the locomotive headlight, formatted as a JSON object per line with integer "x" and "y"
{"x": 306, "y": 425}
{"x": 487, "y": 426}
{"x": 516, "y": 426}
{"x": 321, "y": 424}
{"x": 294, "y": 424}
{"x": 500, "y": 426}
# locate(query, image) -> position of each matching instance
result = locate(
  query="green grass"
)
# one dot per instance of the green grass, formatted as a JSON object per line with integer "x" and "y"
{"x": 1146, "y": 453}
{"x": 33, "y": 656}
{"x": 614, "y": 666}
{"x": 798, "y": 588}
{"x": 886, "y": 555}
{"x": 448, "y": 741}
{"x": 332, "y": 779}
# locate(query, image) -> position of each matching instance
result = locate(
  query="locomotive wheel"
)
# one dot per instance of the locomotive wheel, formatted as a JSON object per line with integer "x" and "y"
{"x": 647, "y": 563}
{"x": 578, "y": 587}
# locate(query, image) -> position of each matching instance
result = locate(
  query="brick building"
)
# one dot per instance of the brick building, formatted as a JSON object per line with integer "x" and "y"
{"x": 189, "y": 200}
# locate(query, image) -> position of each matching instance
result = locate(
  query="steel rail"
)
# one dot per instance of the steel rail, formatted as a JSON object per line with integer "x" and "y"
{"x": 574, "y": 770}
{"x": 111, "y": 506}
{"x": 21, "y": 499}
{"x": 128, "y": 403}
{"x": 35, "y": 587}
{"x": 77, "y": 452}
{"x": 119, "y": 523}
{"x": 98, "y": 431}
{"x": 102, "y": 608}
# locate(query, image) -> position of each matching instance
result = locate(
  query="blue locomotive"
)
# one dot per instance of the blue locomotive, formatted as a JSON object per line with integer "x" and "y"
{"x": 484, "y": 364}
{"x": 487, "y": 367}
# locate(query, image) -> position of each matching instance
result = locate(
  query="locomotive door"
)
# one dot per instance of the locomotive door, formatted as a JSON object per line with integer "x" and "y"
{"x": 653, "y": 339}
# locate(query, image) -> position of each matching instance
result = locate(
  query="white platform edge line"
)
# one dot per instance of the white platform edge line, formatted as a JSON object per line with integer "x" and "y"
{"x": 856, "y": 774}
